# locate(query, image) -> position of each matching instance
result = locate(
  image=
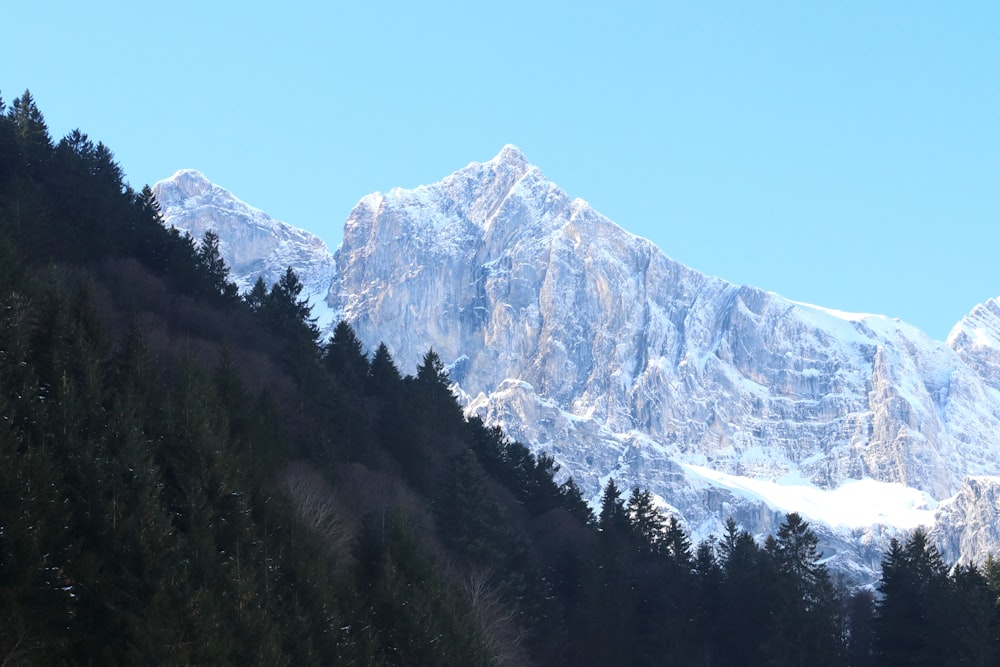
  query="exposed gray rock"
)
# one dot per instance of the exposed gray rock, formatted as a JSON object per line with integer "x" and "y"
{"x": 588, "y": 342}
{"x": 977, "y": 340}
{"x": 968, "y": 525}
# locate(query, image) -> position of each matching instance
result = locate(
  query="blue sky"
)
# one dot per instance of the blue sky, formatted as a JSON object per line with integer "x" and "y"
{"x": 845, "y": 154}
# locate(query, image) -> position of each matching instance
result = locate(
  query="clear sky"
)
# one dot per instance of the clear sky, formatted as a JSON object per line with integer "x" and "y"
{"x": 840, "y": 153}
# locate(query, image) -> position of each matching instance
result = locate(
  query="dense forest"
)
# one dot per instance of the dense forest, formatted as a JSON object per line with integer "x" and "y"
{"x": 189, "y": 475}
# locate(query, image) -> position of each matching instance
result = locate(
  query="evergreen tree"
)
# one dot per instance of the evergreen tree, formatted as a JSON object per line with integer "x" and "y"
{"x": 289, "y": 315}
{"x": 256, "y": 298}
{"x": 805, "y": 624}
{"x": 915, "y": 589}
{"x": 976, "y": 617}
{"x": 344, "y": 355}
{"x": 438, "y": 404}
{"x": 677, "y": 545}
{"x": 613, "y": 520}
{"x": 746, "y": 598}
{"x": 706, "y": 639}
{"x": 31, "y": 134}
{"x": 647, "y": 524}
{"x": 861, "y": 629}
{"x": 383, "y": 377}
{"x": 214, "y": 267}
{"x": 571, "y": 499}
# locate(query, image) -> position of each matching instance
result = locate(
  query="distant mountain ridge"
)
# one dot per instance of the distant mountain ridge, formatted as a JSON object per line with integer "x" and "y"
{"x": 588, "y": 342}
{"x": 252, "y": 243}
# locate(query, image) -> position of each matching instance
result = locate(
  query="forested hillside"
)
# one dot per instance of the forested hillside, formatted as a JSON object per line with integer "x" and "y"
{"x": 189, "y": 475}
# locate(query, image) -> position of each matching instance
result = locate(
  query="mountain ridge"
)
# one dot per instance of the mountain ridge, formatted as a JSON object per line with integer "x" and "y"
{"x": 590, "y": 343}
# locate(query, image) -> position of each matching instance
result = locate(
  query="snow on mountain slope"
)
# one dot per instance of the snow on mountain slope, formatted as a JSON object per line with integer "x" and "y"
{"x": 252, "y": 243}
{"x": 590, "y": 343}
{"x": 977, "y": 340}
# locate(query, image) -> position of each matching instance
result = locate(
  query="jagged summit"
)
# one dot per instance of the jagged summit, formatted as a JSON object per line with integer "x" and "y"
{"x": 980, "y": 328}
{"x": 976, "y": 339}
{"x": 511, "y": 155}
{"x": 189, "y": 175}
{"x": 191, "y": 183}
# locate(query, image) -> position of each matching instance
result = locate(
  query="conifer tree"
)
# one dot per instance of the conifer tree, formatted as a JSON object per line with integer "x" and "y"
{"x": 438, "y": 403}
{"x": 383, "y": 377}
{"x": 746, "y": 597}
{"x": 256, "y": 298}
{"x": 344, "y": 355}
{"x": 31, "y": 133}
{"x": 613, "y": 520}
{"x": 914, "y": 590}
{"x": 214, "y": 266}
{"x": 571, "y": 499}
{"x": 677, "y": 545}
{"x": 805, "y": 627}
{"x": 646, "y": 522}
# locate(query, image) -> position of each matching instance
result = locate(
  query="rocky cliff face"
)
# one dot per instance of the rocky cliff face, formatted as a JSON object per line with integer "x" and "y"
{"x": 588, "y": 342}
{"x": 968, "y": 524}
{"x": 252, "y": 243}
{"x": 977, "y": 340}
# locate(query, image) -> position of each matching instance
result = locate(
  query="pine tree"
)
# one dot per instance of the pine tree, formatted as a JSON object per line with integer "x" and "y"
{"x": 976, "y": 618}
{"x": 613, "y": 519}
{"x": 677, "y": 545}
{"x": 214, "y": 266}
{"x": 571, "y": 499}
{"x": 805, "y": 626}
{"x": 746, "y": 597}
{"x": 31, "y": 134}
{"x": 383, "y": 377}
{"x": 344, "y": 355}
{"x": 915, "y": 589}
{"x": 437, "y": 402}
{"x": 647, "y": 524}
{"x": 256, "y": 298}
{"x": 861, "y": 629}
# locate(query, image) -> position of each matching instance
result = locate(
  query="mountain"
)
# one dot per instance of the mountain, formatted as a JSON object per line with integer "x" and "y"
{"x": 591, "y": 344}
{"x": 252, "y": 243}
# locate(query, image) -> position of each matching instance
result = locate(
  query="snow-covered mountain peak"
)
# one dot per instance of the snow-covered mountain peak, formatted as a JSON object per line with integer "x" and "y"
{"x": 511, "y": 156}
{"x": 190, "y": 181}
{"x": 190, "y": 189}
{"x": 976, "y": 339}
{"x": 589, "y": 343}
{"x": 980, "y": 328}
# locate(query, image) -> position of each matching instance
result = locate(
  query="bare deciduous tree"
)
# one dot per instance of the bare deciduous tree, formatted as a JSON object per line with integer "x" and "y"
{"x": 316, "y": 504}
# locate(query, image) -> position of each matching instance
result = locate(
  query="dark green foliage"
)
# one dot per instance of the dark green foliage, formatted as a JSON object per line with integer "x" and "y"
{"x": 928, "y": 615}
{"x": 31, "y": 135}
{"x": 256, "y": 298}
{"x": 571, "y": 499}
{"x": 613, "y": 519}
{"x": 344, "y": 356}
{"x": 914, "y": 583}
{"x": 383, "y": 377}
{"x": 646, "y": 524}
{"x": 214, "y": 267}
{"x": 805, "y": 624}
{"x": 410, "y": 615}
